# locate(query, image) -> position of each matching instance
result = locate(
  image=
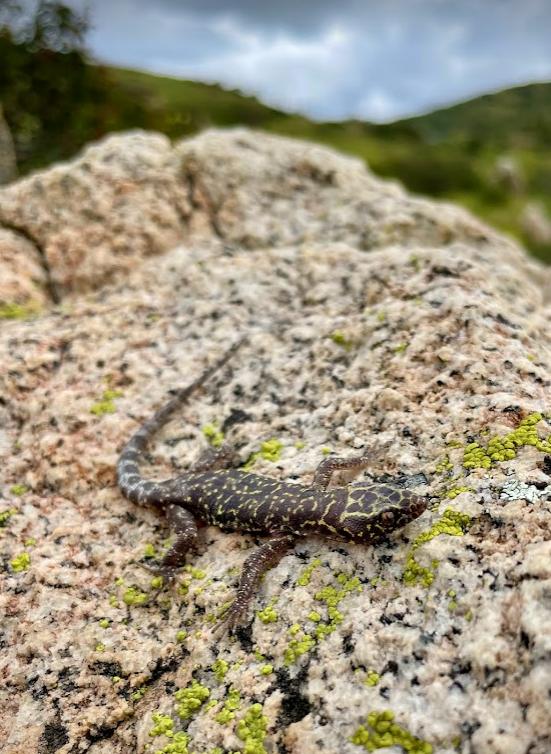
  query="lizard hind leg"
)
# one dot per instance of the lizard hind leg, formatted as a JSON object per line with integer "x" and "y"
{"x": 261, "y": 560}
{"x": 185, "y": 528}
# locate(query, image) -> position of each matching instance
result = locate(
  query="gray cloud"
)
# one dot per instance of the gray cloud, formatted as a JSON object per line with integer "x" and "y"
{"x": 371, "y": 59}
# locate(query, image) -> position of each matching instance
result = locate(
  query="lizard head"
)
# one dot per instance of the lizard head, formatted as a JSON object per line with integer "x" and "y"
{"x": 372, "y": 511}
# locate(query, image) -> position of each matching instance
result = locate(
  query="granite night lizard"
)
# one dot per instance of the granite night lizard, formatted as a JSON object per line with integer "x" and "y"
{"x": 240, "y": 501}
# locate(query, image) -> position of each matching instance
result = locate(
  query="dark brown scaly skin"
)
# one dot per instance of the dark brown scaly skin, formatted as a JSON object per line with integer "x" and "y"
{"x": 239, "y": 501}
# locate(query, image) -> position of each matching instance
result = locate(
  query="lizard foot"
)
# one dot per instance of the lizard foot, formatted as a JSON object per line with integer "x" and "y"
{"x": 168, "y": 573}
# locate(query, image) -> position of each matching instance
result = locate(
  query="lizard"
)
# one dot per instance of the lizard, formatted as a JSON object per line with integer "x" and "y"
{"x": 237, "y": 500}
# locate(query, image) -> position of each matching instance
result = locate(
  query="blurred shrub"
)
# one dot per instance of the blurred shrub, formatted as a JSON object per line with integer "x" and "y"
{"x": 53, "y": 100}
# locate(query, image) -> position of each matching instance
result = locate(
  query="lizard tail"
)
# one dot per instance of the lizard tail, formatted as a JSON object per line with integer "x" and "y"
{"x": 130, "y": 481}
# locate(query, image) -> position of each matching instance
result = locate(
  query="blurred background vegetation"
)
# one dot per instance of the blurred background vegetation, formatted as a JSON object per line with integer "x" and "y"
{"x": 490, "y": 154}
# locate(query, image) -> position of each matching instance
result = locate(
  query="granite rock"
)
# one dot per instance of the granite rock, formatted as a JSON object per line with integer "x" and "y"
{"x": 376, "y": 321}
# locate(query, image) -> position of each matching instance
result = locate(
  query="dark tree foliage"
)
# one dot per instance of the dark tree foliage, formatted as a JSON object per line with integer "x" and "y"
{"x": 54, "y": 100}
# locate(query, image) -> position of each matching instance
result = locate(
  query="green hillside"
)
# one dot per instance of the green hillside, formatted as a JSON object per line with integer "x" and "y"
{"x": 490, "y": 154}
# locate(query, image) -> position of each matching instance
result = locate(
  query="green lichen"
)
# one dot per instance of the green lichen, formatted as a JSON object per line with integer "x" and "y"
{"x": 5, "y": 516}
{"x": 268, "y": 614}
{"x": 338, "y": 337}
{"x": 267, "y": 669}
{"x": 149, "y": 551}
{"x": 300, "y": 444}
{"x": 453, "y": 492}
{"x": 298, "y": 647}
{"x": 135, "y": 696}
{"x": 19, "y": 489}
{"x": 415, "y": 262}
{"x": 106, "y": 404}
{"x": 181, "y": 635}
{"x": 231, "y": 705}
{"x": 104, "y": 623}
{"x": 190, "y": 699}
{"x": 30, "y": 542}
{"x": 452, "y": 523}
{"x": 100, "y": 647}
{"x": 326, "y": 450}
{"x": 400, "y": 347}
{"x": 372, "y": 678}
{"x": 213, "y": 434}
{"x": 504, "y": 447}
{"x": 270, "y": 450}
{"x": 220, "y": 668}
{"x": 164, "y": 726}
{"x": 12, "y": 310}
{"x": 443, "y": 465}
{"x": 20, "y": 562}
{"x": 382, "y": 732}
{"x": 331, "y": 596}
{"x": 156, "y": 582}
{"x": 306, "y": 575}
{"x": 251, "y": 729}
{"x": 133, "y": 597}
{"x": 195, "y": 573}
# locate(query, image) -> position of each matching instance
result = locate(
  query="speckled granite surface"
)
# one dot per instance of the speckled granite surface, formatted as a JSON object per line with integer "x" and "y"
{"x": 376, "y": 320}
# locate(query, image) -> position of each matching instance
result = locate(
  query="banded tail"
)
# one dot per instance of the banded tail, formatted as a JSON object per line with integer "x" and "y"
{"x": 130, "y": 481}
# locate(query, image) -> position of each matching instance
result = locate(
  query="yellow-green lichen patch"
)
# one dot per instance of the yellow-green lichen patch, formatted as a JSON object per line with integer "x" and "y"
{"x": 452, "y": 523}
{"x": 303, "y": 641}
{"x": 181, "y": 635}
{"x": 5, "y": 516}
{"x": 104, "y": 623}
{"x": 18, "y": 489}
{"x": 268, "y": 614}
{"x": 443, "y": 465}
{"x": 220, "y": 668}
{"x": 156, "y": 582}
{"x": 298, "y": 645}
{"x": 20, "y": 562}
{"x": 195, "y": 573}
{"x": 338, "y": 337}
{"x": 400, "y": 347}
{"x": 213, "y": 434}
{"x": 231, "y": 705}
{"x": 164, "y": 726}
{"x": 372, "y": 678}
{"x": 106, "y": 404}
{"x": 251, "y": 729}
{"x": 382, "y": 732}
{"x": 190, "y": 699}
{"x": 267, "y": 669}
{"x": 138, "y": 694}
{"x": 504, "y": 447}
{"x": 12, "y": 310}
{"x": 453, "y": 492}
{"x": 306, "y": 575}
{"x": 270, "y": 450}
{"x": 300, "y": 444}
{"x": 134, "y": 597}
{"x": 149, "y": 551}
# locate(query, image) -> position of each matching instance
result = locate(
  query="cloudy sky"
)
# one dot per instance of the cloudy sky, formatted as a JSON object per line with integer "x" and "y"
{"x": 332, "y": 59}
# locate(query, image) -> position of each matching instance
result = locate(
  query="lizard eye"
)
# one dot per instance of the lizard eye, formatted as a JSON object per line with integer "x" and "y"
{"x": 387, "y": 517}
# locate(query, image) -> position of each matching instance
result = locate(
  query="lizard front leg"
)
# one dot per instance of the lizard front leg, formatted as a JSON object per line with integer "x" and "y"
{"x": 183, "y": 524}
{"x": 261, "y": 560}
{"x": 323, "y": 473}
